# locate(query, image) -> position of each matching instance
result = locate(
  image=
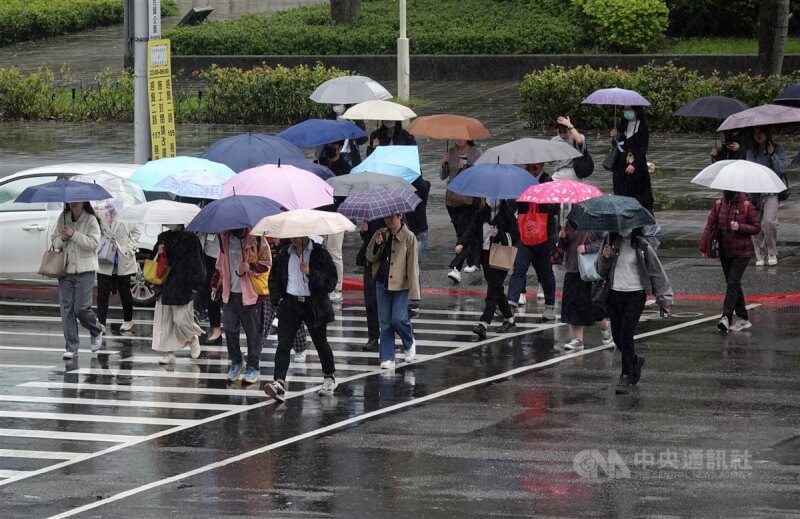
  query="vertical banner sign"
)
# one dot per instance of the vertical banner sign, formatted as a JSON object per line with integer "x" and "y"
{"x": 154, "y": 19}
{"x": 159, "y": 94}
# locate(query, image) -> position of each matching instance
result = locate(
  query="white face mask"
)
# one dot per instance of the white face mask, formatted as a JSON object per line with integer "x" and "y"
{"x": 388, "y": 124}
{"x": 338, "y": 109}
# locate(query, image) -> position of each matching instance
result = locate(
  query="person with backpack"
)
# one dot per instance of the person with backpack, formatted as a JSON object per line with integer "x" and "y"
{"x": 565, "y": 169}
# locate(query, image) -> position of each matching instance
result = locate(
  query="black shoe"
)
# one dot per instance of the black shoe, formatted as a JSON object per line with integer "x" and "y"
{"x": 506, "y": 327}
{"x": 413, "y": 311}
{"x": 624, "y": 385}
{"x": 480, "y": 331}
{"x": 275, "y": 390}
{"x": 214, "y": 342}
{"x": 371, "y": 345}
{"x": 637, "y": 369}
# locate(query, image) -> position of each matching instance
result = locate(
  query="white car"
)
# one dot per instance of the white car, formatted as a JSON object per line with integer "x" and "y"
{"x": 25, "y": 228}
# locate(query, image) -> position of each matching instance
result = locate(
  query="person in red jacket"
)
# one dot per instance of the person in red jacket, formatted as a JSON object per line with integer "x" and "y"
{"x": 732, "y": 222}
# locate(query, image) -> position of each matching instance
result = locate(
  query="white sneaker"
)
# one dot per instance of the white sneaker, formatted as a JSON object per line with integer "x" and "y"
{"x": 607, "y": 336}
{"x": 275, "y": 323}
{"x": 194, "y": 348}
{"x": 740, "y": 325}
{"x": 411, "y": 353}
{"x": 336, "y": 296}
{"x": 454, "y": 275}
{"x": 126, "y": 326}
{"x": 469, "y": 269}
{"x": 523, "y": 299}
{"x": 387, "y": 364}
{"x": 168, "y": 358}
{"x": 539, "y": 292}
{"x": 299, "y": 358}
{"x": 97, "y": 342}
{"x": 574, "y": 344}
{"x": 328, "y": 386}
{"x": 68, "y": 355}
{"x": 723, "y": 325}
{"x": 760, "y": 263}
{"x": 772, "y": 261}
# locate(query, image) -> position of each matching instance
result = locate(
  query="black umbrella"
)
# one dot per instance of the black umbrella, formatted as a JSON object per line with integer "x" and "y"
{"x": 711, "y": 107}
{"x": 790, "y": 96}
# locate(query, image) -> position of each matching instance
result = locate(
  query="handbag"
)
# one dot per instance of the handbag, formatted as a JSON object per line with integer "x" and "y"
{"x": 583, "y": 165}
{"x": 150, "y": 272}
{"x": 611, "y": 158}
{"x": 586, "y": 266}
{"x": 107, "y": 250}
{"x": 600, "y": 291}
{"x": 54, "y": 263}
{"x": 501, "y": 257}
{"x": 532, "y": 227}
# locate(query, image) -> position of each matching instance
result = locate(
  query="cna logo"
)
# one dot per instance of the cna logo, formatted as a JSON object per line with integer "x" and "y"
{"x": 591, "y": 464}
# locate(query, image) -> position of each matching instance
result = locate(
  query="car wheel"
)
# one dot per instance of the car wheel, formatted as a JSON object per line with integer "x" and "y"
{"x": 143, "y": 293}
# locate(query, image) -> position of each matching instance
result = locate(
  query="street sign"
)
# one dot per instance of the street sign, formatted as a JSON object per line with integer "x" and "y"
{"x": 159, "y": 95}
{"x": 154, "y": 19}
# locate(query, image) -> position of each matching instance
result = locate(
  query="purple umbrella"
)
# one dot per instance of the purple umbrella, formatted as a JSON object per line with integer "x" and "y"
{"x": 615, "y": 96}
{"x": 763, "y": 115}
{"x": 377, "y": 203}
{"x": 711, "y": 107}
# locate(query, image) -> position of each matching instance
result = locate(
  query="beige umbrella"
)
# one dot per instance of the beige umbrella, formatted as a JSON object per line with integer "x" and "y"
{"x": 379, "y": 111}
{"x": 302, "y": 222}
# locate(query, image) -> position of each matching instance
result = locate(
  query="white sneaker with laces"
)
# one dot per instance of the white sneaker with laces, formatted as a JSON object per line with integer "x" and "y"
{"x": 574, "y": 344}
{"x": 387, "y": 364}
{"x": 194, "y": 348}
{"x": 760, "y": 263}
{"x": 522, "y": 299}
{"x": 411, "y": 353}
{"x": 469, "y": 269}
{"x": 539, "y": 292}
{"x": 168, "y": 358}
{"x": 607, "y": 336}
{"x": 97, "y": 342}
{"x": 328, "y": 386}
{"x": 723, "y": 325}
{"x": 740, "y": 325}
{"x": 299, "y": 358}
{"x": 454, "y": 275}
{"x": 772, "y": 261}
{"x": 68, "y": 355}
{"x": 275, "y": 323}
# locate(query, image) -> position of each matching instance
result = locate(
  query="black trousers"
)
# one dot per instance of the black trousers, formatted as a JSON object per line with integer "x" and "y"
{"x": 624, "y": 310}
{"x": 461, "y": 217}
{"x": 292, "y": 313}
{"x": 734, "y": 296}
{"x": 122, "y": 286}
{"x": 495, "y": 295}
{"x": 239, "y": 315}
{"x": 202, "y": 300}
{"x": 371, "y": 303}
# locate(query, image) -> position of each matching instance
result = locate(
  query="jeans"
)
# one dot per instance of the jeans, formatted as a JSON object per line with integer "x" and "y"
{"x": 393, "y": 314}
{"x": 495, "y": 295}
{"x": 202, "y": 300}
{"x": 539, "y": 257}
{"x": 75, "y": 301}
{"x": 371, "y": 304}
{"x": 766, "y": 241}
{"x": 120, "y": 284}
{"x": 292, "y": 313}
{"x": 235, "y": 313}
{"x": 734, "y": 296}
{"x": 624, "y": 310}
{"x": 333, "y": 242}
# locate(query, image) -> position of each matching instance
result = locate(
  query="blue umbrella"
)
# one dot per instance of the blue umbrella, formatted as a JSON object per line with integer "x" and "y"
{"x": 377, "y": 203}
{"x": 188, "y": 184}
{"x": 233, "y": 212}
{"x": 151, "y": 174}
{"x": 312, "y": 132}
{"x": 397, "y": 161}
{"x": 248, "y": 150}
{"x": 61, "y": 191}
{"x": 493, "y": 181}
{"x": 323, "y": 172}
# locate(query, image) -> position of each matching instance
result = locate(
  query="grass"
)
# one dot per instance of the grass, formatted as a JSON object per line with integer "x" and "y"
{"x": 722, "y": 46}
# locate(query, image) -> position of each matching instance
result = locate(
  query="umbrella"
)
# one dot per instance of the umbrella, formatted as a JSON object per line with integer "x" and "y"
{"x": 302, "y": 222}
{"x": 248, "y": 150}
{"x": 612, "y": 213}
{"x": 192, "y": 184}
{"x": 615, "y": 96}
{"x": 348, "y": 184}
{"x": 447, "y": 126}
{"x": 149, "y": 175}
{"x": 761, "y": 116}
{"x": 124, "y": 193}
{"x": 711, "y": 107}
{"x": 559, "y": 192}
{"x": 740, "y": 175}
{"x": 493, "y": 181}
{"x": 528, "y": 151}
{"x": 377, "y": 203}
{"x": 397, "y": 161}
{"x": 292, "y": 187}
{"x": 790, "y": 96}
{"x": 61, "y": 191}
{"x": 379, "y": 111}
{"x": 162, "y": 212}
{"x": 345, "y": 90}
{"x": 233, "y": 212}
{"x": 312, "y": 132}
{"x": 323, "y": 172}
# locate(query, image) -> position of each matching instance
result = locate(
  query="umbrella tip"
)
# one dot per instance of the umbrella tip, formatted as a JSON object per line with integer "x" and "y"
{"x": 279, "y": 162}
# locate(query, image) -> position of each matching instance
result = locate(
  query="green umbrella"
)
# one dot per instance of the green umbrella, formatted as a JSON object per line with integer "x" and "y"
{"x": 610, "y": 213}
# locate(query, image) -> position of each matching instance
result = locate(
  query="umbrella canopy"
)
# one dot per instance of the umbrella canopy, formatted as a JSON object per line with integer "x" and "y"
{"x": 528, "y": 151}
{"x": 61, "y": 191}
{"x": 149, "y": 175}
{"x": 162, "y": 212}
{"x": 610, "y": 213}
{"x": 323, "y": 172}
{"x": 763, "y": 115}
{"x": 379, "y": 111}
{"x": 346, "y": 90}
{"x": 377, "y": 203}
{"x": 312, "y": 132}
{"x": 397, "y": 161}
{"x": 302, "y": 222}
{"x": 291, "y": 187}
{"x": 348, "y": 184}
{"x": 790, "y": 96}
{"x": 711, "y": 107}
{"x": 559, "y": 192}
{"x": 740, "y": 175}
{"x": 124, "y": 193}
{"x": 448, "y": 126}
{"x": 493, "y": 181}
{"x": 615, "y": 96}
{"x": 233, "y": 212}
{"x": 248, "y": 150}
{"x": 193, "y": 184}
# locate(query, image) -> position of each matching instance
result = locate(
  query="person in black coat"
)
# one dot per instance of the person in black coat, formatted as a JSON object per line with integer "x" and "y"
{"x": 631, "y": 176}
{"x": 350, "y": 150}
{"x": 391, "y": 133}
{"x": 299, "y": 283}
{"x": 731, "y": 147}
{"x": 367, "y": 230}
{"x": 417, "y": 222}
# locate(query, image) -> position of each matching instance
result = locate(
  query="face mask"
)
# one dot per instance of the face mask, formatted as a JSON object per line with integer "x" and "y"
{"x": 388, "y": 124}
{"x": 172, "y": 227}
{"x": 626, "y": 234}
{"x": 630, "y": 115}
{"x": 338, "y": 109}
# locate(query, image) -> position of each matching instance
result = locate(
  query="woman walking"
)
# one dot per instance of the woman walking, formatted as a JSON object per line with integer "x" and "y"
{"x": 116, "y": 276}
{"x": 631, "y": 176}
{"x": 767, "y": 153}
{"x": 632, "y": 268}
{"x": 734, "y": 221}
{"x": 78, "y": 234}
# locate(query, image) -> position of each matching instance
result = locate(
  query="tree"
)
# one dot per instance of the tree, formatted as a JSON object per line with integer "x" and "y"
{"x": 773, "y": 27}
{"x": 345, "y": 11}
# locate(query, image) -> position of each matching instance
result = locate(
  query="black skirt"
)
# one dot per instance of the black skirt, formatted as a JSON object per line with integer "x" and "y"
{"x": 576, "y": 303}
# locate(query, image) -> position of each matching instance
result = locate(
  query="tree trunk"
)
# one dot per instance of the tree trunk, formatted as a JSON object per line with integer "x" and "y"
{"x": 345, "y": 11}
{"x": 773, "y": 27}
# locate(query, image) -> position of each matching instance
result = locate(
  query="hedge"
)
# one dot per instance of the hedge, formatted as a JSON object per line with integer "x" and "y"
{"x": 557, "y": 91}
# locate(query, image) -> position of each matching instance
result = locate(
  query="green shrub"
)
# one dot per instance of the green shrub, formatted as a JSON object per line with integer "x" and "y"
{"x": 111, "y": 99}
{"x": 27, "y": 96}
{"x": 626, "y": 25}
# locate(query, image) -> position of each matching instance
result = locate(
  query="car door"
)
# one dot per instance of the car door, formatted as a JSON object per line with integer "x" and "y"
{"x": 24, "y": 228}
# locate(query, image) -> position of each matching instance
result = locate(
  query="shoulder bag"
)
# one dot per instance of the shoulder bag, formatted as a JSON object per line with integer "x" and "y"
{"x": 501, "y": 257}
{"x": 107, "y": 250}
{"x": 611, "y": 158}
{"x": 260, "y": 281}
{"x": 586, "y": 264}
{"x": 54, "y": 263}
{"x": 150, "y": 271}
{"x": 583, "y": 165}
{"x": 532, "y": 226}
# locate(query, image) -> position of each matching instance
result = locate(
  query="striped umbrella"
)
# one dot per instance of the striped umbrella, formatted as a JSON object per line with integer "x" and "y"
{"x": 378, "y": 203}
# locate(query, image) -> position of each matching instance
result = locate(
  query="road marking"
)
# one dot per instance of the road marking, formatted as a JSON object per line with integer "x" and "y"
{"x": 115, "y": 403}
{"x": 29, "y": 415}
{"x": 121, "y": 439}
{"x": 26, "y": 366}
{"x": 255, "y": 392}
{"x": 180, "y": 374}
{"x": 40, "y": 455}
{"x": 12, "y": 473}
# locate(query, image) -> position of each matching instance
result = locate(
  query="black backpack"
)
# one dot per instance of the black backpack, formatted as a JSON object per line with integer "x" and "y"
{"x": 583, "y": 165}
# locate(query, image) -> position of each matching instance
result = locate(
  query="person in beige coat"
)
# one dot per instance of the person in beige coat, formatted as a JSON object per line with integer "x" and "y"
{"x": 116, "y": 276}
{"x": 77, "y": 233}
{"x": 392, "y": 252}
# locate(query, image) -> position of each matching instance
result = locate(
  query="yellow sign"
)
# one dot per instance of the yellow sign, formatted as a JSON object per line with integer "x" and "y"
{"x": 159, "y": 93}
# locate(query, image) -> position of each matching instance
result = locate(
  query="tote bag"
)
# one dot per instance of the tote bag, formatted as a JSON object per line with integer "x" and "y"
{"x": 107, "y": 250}
{"x": 150, "y": 272}
{"x": 586, "y": 266}
{"x": 54, "y": 263}
{"x": 532, "y": 227}
{"x": 611, "y": 158}
{"x": 501, "y": 257}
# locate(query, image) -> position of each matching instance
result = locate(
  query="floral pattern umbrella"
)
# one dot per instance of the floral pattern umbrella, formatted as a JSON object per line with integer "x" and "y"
{"x": 559, "y": 192}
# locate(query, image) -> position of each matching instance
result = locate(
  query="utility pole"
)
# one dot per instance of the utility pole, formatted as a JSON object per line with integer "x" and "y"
{"x": 141, "y": 107}
{"x": 403, "y": 60}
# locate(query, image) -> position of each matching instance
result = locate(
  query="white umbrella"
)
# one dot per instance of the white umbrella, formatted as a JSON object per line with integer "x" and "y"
{"x": 346, "y": 90}
{"x": 163, "y": 212}
{"x": 740, "y": 175}
{"x": 302, "y": 222}
{"x": 761, "y": 116}
{"x": 379, "y": 111}
{"x": 528, "y": 151}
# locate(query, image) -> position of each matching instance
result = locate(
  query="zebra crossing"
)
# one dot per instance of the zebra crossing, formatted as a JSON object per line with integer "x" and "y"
{"x": 55, "y": 413}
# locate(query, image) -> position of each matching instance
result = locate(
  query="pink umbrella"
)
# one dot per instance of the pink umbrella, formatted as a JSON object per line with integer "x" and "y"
{"x": 291, "y": 187}
{"x": 559, "y": 192}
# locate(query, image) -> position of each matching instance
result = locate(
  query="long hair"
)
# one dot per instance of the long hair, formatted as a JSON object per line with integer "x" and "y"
{"x": 86, "y": 207}
{"x": 755, "y": 146}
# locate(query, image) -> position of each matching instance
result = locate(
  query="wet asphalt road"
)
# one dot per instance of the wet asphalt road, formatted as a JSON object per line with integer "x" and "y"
{"x": 711, "y": 431}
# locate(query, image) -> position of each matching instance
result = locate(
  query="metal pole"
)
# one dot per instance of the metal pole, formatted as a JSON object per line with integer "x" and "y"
{"x": 403, "y": 60}
{"x": 141, "y": 115}
{"x": 127, "y": 34}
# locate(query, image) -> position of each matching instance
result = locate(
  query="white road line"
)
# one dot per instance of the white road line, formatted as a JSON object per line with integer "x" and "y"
{"x": 39, "y": 455}
{"x": 26, "y": 366}
{"x": 122, "y": 439}
{"x": 115, "y": 403}
{"x": 29, "y": 415}
{"x": 255, "y": 393}
{"x": 12, "y": 473}
{"x": 179, "y": 374}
